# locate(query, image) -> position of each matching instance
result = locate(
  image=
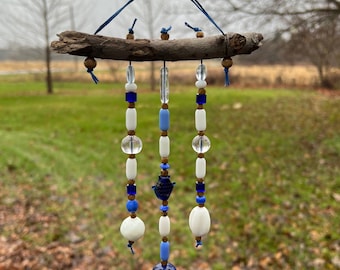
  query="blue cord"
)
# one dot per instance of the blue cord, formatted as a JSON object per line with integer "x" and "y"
{"x": 165, "y": 30}
{"x": 94, "y": 78}
{"x": 133, "y": 25}
{"x": 112, "y": 17}
{"x": 226, "y": 71}
{"x": 196, "y": 29}
{"x": 201, "y": 8}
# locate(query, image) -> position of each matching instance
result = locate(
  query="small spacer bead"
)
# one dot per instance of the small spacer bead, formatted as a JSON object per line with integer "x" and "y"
{"x": 165, "y": 106}
{"x": 164, "y": 173}
{"x": 199, "y": 34}
{"x": 201, "y": 205}
{"x": 131, "y": 197}
{"x": 131, "y": 182}
{"x": 165, "y": 239}
{"x": 131, "y": 105}
{"x": 132, "y": 155}
{"x": 90, "y": 63}
{"x": 165, "y": 160}
{"x": 133, "y": 215}
{"x": 165, "y": 36}
{"x": 164, "y": 214}
{"x": 131, "y": 132}
{"x": 201, "y": 91}
{"x": 164, "y": 133}
{"x": 201, "y": 133}
{"x": 200, "y": 194}
{"x": 165, "y": 203}
{"x": 227, "y": 62}
{"x": 164, "y": 263}
{"x": 130, "y": 36}
{"x": 198, "y": 238}
{"x": 200, "y": 180}
{"x": 200, "y": 106}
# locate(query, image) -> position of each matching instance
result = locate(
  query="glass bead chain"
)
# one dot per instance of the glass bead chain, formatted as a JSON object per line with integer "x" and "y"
{"x": 132, "y": 228}
{"x": 199, "y": 218}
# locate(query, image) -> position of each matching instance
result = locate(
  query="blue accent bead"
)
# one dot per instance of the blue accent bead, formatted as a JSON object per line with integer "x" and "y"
{"x": 163, "y": 188}
{"x": 164, "y": 251}
{"x": 131, "y": 96}
{"x": 169, "y": 266}
{"x": 164, "y": 119}
{"x": 132, "y": 206}
{"x": 164, "y": 166}
{"x": 201, "y": 99}
{"x": 200, "y": 200}
{"x": 164, "y": 208}
{"x": 131, "y": 189}
{"x": 200, "y": 187}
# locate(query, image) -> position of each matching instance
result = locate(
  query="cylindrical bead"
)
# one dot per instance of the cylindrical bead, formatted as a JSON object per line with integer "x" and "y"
{"x": 131, "y": 118}
{"x": 200, "y": 120}
{"x": 164, "y": 119}
{"x": 201, "y": 166}
{"x": 164, "y": 226}
{"x": 164, "y": 251}
{"x": 131, "y": 168}
{"x": 164, "y": 146}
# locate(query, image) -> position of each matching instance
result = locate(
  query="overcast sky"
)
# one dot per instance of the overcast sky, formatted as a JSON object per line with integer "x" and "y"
{"x": 92, "y": 13}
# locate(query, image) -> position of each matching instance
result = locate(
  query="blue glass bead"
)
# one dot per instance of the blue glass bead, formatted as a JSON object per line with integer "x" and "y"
{"x": 200, "y": 200}
{"x": 131, "y": 189}
{"x": 164, "y": 251}
{"x": 164, "y": 166}
{"x": 164, "y": 119}
{"x": 169, "y": 266}
{"x": 200, "y": 187}
{"x": 164, "y": 208}
{"x": 163, "y": 188}
{"x": 132, "y": 206}
{"x": 201, "y": 99}
{"x": 131, "y": 96}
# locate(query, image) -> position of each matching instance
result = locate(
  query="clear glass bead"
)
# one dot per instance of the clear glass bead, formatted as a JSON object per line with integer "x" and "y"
{"x": 201, "y": 144}
{"x": 130, "y": 74}
{"x": 164, "y": 91}
{"x": 131, "y": 145}
{"x": 201, "y": 72}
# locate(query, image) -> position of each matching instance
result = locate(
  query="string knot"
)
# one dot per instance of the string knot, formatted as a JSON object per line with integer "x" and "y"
{"x": 94, "y": 77}
{"x": 196, "y": 29}
{"x": 165, "y": 30}
{"x": 199, "y": 243}
{"x": 133, "y": 25}
{"x": 131, "y": 248}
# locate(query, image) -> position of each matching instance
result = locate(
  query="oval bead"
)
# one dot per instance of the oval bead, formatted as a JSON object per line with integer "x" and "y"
{"x": 131, "y": 87}
{"x": 164, "y": 251}
{"x": 164, "y": 119}
{"x": 201, "y": 144}
{"x": 201, "y": 165}
{"x": 200, "y": 120}
{"x": 164, "y": 90}
{"x": 130, "y": 74}
{"x": 164, "y": 226}
{"x": 131, "y": 145}
{"x": 131, "y": 168}
{"x": 164, "y": 146}
{"x": 132, "y": 228}
{"x": 201, "y": 72}
{"x": 199, "y": 221}
{"x": 201, "y": 84}
{"x": 131, "y": 119}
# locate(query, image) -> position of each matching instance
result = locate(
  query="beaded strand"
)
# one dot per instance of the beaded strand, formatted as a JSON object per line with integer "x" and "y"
{"x": 164, "y": 186}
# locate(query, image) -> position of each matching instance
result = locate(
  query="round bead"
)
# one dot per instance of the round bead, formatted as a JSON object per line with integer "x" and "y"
{"x": 164, "y": 166}
{"x": 199, "y": 34}
{"x": 227, "y": 62}
{"x": 132, "y": 206}
{"x": 131, "y": 119}
{"x": 201, "y": 84}
{"x": 90, "y": 63}
{"x": 201, "y": 167}
{"x": 164, "y": 226}
{"x": 199, "y": 221}
{"x": 200, "y": 120}
{"x": 200, "y": 200}
{"x": 131, "y": 168}
{"x": 131, "y": 87}
{"x": 164, "y": 208}
{"x": 132, "y": 228}
{"x": 164, "y": 146}
{"x": 201, "y": 144}
{"x": 131, "y": 145}
{"x": 130, "y": 36}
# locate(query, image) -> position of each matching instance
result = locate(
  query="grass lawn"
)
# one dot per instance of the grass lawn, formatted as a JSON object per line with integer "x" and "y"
{"x": 273, "y": 178}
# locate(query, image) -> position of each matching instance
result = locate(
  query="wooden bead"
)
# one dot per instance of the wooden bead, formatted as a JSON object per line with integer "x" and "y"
{"x": 130, "y": 36}
{"x": 165, "y": 239}
{"x": 165, "y": 106}
{"x": 227, "y": 62}
{"x": 90, "y": 63}
{"x": 165, "y": 203}
{"x": 133, "y": 215}
{"x": 164, "y": 133}
{"x": 165, "y": 36}
{"x": 202, "y": 91}
{"x": 131, "y": 182}
{"x": 131, "y": 132}
{"x": 201, "y": 133}
{"x": 131, "y": 197}
{"x": 199, "y": 34}
{"x": 131, "y": 105}
{"x": 165, "y": 160}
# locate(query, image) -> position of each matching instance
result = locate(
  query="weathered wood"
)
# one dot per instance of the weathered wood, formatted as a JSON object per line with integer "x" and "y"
{"x": 76, "y": 43}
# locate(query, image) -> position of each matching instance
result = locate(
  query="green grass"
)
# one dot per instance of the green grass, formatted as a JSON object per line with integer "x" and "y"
{"x": 273, "y": 171}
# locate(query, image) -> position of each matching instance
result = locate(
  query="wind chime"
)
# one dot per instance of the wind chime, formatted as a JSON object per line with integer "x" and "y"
{"x": 133, "y": 228}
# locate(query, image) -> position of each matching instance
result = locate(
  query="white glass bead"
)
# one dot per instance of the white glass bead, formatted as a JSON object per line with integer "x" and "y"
{"x": 201, "y": 72}
{"x": 201, "y": 144}
{"x": 199, "y": 221}
{"x": 164, "y": 226}
{"x": 201, "y": 167}
{"x": 201, "y": 84}
{"x": 164, "y": 146}
{"x": 131, "y": 145}
{"x": 131, "y": 87}
{"x": 200, "y": 120}
{"x": 131, "y": 119}
{"x": 132, "y": 228}
{"x": 131, "y": 168}
{"x": 164, "y": 90}
{"x": 130, "y": 74}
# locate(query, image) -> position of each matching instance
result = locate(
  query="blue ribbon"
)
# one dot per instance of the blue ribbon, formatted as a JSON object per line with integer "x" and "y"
{"x": 201, "y": 8}
{"x": 112, "y": 17}
{"x": 133, "y": 25}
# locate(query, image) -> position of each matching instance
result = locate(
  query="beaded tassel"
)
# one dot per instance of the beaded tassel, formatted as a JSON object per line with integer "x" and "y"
{"x": 164, "y": 186}
{"x": 132, "y": 227}
{"x": 199, "y": 218}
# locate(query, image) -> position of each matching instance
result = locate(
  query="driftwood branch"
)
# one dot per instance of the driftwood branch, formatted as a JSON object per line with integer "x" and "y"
{"x": 76, "y": 43}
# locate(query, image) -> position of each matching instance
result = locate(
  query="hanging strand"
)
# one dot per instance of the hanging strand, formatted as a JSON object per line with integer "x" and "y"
{"x": 201, "y": 8}
{"x": 112, "y": 17}
{"x": 90, "y": 63}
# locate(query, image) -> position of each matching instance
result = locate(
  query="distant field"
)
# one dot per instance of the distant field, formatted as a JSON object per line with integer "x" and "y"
{"x": 273, "y": 177}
